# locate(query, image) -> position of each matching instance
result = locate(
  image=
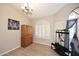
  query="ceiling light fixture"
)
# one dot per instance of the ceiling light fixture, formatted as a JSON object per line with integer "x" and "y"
{"x": 27, "y": 9}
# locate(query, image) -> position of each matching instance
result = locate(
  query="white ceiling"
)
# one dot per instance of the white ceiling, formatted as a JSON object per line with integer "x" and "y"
{"x": 42, "y": 9}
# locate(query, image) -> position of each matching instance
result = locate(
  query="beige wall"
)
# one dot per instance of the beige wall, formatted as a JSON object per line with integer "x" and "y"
{"x": 10, "y": 39}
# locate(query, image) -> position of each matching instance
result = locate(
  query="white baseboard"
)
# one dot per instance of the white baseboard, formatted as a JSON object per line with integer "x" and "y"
{"x": 41, "y": 43}
{"x": 9, "y": 50}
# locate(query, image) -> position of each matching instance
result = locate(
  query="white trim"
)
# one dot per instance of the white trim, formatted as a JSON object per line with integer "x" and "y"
{"x": 9, "y": 50}
{"x": 42, "y": 43}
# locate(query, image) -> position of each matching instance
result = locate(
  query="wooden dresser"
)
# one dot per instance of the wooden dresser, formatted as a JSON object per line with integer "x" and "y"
{"x": 26, "y": 35}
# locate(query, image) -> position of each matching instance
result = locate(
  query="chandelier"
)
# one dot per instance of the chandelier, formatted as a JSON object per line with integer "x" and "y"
{"x": 27, "y": 9}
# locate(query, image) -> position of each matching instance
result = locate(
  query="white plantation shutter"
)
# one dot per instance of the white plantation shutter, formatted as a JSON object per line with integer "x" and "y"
{"x": 42, "y": 31}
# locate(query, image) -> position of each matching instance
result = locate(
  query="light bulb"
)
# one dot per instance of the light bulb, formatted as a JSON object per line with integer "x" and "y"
{"x": 23, "y": 7}
{"x": 25, "y": 4}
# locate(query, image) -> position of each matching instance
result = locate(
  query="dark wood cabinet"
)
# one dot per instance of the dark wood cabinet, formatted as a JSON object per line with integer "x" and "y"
{"x": 26, "y": 35}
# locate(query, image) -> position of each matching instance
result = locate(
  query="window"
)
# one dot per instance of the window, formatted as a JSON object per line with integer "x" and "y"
{"x": 42, "y": 30}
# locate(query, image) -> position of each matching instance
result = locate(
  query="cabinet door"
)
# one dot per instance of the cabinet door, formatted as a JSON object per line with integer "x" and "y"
{"x": 29, "y": 30}
{"x": 24, "y": 30}
{"x": 26, "y": 35}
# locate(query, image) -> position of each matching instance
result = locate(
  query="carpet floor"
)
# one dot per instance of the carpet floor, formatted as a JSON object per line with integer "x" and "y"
{"x": 33, "y": 50}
